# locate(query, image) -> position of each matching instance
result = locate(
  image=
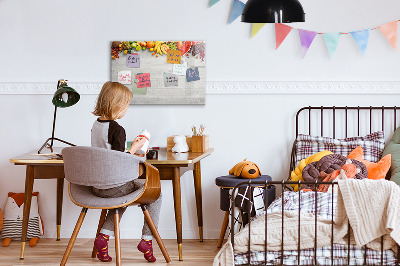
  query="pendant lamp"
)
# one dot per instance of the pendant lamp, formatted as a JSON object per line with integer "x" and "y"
{"x": 272, "y": 11}
{"x": 64, "y": 96}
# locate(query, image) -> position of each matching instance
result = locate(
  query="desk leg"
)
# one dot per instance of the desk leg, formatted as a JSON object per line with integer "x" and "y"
{"x": 197, "y": 189}
{"x": 176, "y": 182}
{"x": 60, "y": 190}
{"x": 27, "y": 206}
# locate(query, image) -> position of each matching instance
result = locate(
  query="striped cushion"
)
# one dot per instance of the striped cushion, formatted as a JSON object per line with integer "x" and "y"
{"x": 13, "y": 228}
{"x": 372, "y": 145}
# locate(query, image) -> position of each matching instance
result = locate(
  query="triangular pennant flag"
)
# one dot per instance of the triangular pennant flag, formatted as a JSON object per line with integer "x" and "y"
{"x": 237, "y": 9}
{"x": 306, "y": 39}
{"x": 389, "y": 30}
{"x": 332, "y": 41}
{"x": 255, "y": 28}
{"x": 213, "y": 2}
{"x": 281, "y": 31}
{"x": 361, "y": 37}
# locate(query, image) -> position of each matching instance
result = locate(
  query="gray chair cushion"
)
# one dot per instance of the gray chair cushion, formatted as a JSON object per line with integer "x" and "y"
{"x": 84, "y": 196}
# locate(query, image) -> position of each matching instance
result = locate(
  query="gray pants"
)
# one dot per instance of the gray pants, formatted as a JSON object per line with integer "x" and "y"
{"x": 154, "y": 208}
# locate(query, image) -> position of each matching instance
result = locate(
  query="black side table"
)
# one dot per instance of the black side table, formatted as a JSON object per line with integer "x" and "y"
{"x": 226, "y": 183}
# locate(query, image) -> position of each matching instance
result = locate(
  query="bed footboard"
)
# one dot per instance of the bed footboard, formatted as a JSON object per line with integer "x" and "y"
{"x": 312, "y": 259}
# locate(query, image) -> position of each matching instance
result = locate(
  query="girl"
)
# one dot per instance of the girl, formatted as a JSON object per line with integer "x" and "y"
{"x": 112, "y": 104}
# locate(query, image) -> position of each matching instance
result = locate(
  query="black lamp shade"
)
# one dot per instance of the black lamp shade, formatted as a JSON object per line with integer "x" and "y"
{"x": 65, "y": 96}
{"x": 273, "y": 11}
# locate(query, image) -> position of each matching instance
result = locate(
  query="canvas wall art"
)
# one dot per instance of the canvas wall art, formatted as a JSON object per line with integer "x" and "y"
{"x": 161, "y": 72}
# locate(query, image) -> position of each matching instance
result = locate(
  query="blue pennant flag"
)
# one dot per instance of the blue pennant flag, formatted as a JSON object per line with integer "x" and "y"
{"x": 332, "y": 41}
{"x": 237, "y": 9}
{"x": 361, "y": 37}
{"x": 213, "y": 2}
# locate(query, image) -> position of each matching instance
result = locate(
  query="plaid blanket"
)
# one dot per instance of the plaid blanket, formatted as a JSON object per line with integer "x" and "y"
{"x": 323, "y": 205}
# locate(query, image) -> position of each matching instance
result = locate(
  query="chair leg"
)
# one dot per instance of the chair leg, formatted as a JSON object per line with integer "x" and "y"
{"x": 117, "y": 239}
{"x": 101, "y": 222}
{"x": 223, "y": 229}
{"x": 73, "y": 237}
{"x": 154, "y": 230}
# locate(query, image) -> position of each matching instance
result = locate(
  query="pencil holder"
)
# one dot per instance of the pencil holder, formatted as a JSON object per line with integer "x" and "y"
{"x": 200, "y": 143}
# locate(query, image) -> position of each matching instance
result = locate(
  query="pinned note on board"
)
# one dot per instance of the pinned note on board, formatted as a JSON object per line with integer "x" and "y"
{"x": 180, "y": 69}
{"x": 125, "y": 77}
{"x": 174, "y": 56}
{"x": 133, "y": 60}
{"x": 192, "y": 74}
{"x": 143, "y": 80}
{"x": 170, "y": 80}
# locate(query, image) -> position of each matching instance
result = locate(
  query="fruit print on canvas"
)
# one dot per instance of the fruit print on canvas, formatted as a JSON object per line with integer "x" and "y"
{"x": 165, "y": 64}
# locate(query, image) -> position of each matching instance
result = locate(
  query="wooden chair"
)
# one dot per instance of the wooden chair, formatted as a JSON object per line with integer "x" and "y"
{"x": 85, "y": 167}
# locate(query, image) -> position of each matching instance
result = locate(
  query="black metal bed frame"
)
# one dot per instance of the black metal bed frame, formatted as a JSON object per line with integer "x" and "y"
{"x": 283, "y": 184}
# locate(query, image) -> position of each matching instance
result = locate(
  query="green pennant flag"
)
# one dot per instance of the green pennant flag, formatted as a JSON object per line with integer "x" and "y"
{"x": 213, "y": 2}
{"x": 332, "y": 41}
{"x": 256, "y": 27}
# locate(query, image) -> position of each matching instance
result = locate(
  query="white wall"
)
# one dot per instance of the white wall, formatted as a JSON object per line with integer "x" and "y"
{"x": 43, "y": 41}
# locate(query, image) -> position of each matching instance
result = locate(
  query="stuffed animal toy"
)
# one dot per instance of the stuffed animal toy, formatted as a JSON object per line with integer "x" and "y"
{"x": 13, "y": 215}
{"x": 245, "y": 169}
{"x": 180, "y": 144}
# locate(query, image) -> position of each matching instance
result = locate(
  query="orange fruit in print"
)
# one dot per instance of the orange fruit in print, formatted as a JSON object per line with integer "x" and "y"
{"x": 150, "y": 44}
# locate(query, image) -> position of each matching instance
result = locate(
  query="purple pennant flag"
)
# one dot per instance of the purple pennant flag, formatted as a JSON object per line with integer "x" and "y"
{"x": 237, "y": 9}
{"x": 306, "y": 39}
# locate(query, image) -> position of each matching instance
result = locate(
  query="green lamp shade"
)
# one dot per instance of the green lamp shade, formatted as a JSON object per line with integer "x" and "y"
{"x": 65, "y": 96}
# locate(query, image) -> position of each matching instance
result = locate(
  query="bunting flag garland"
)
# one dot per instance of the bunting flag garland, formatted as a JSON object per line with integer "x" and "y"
{"x": 281, "y": 31}
{"x": 255, "y": 28}
{"x": 332, "y": 41}
{"x": 213, "y": 2}
{"x": 306, "y": 39}
{"x": 389, "y": 30}
{"x": 361, "y": 37}
{"x": 237, "y": 9}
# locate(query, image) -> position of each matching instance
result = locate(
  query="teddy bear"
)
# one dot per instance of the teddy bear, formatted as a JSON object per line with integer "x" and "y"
{"x": 245, "y": 169}
{"x": 13, "y": 215}
{"x": 180, "y": 144}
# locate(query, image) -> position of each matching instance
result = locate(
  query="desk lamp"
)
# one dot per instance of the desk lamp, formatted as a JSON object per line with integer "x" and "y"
{"x": 272, "y": 11}
{"x": 64, "y": 96}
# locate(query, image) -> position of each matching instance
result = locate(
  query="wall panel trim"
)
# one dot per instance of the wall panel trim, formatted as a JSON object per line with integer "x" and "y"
{"x": 231, "y": 87}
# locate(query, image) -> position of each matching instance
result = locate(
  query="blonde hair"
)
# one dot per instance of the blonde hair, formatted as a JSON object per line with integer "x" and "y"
{"x": 112, "y": 99}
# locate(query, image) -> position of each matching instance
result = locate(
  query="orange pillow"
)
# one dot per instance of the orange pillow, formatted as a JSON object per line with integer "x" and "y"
{"x": 375, "y": 170}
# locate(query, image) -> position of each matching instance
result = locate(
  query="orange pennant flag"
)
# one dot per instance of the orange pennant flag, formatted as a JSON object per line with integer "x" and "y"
{"x": 281, "y": 31}
{"x": 389, "y": 30}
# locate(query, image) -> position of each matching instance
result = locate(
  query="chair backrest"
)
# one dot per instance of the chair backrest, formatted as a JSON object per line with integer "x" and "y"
{"x": 92, "y": 166}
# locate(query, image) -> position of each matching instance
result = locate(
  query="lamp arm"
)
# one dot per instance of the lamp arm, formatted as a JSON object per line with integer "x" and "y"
{"x": 54, "y": 118}
{"x": 54, "y": 126}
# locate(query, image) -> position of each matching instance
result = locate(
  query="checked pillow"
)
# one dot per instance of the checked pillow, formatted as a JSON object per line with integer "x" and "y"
{"x": 372, "y": 145}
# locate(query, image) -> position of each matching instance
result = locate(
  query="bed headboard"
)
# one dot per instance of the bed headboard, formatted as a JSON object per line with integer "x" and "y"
{"x": 344, "y": 121}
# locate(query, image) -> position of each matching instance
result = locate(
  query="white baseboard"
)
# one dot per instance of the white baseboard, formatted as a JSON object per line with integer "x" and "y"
{"x": 232, "y": 87}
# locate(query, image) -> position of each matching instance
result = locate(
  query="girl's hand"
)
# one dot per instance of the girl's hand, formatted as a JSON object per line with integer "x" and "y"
{"x": 143, "y": 155}
{"x": 137, "y": 144}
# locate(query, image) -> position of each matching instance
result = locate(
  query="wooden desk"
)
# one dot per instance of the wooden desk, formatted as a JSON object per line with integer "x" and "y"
{"x": 171, "y": 167}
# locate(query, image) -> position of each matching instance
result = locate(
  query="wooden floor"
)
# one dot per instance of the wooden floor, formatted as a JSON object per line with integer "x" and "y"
{"x": 50, "y": 252}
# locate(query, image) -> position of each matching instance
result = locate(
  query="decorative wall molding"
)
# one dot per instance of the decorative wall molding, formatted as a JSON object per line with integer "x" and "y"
{"x": 233, "y": 87}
